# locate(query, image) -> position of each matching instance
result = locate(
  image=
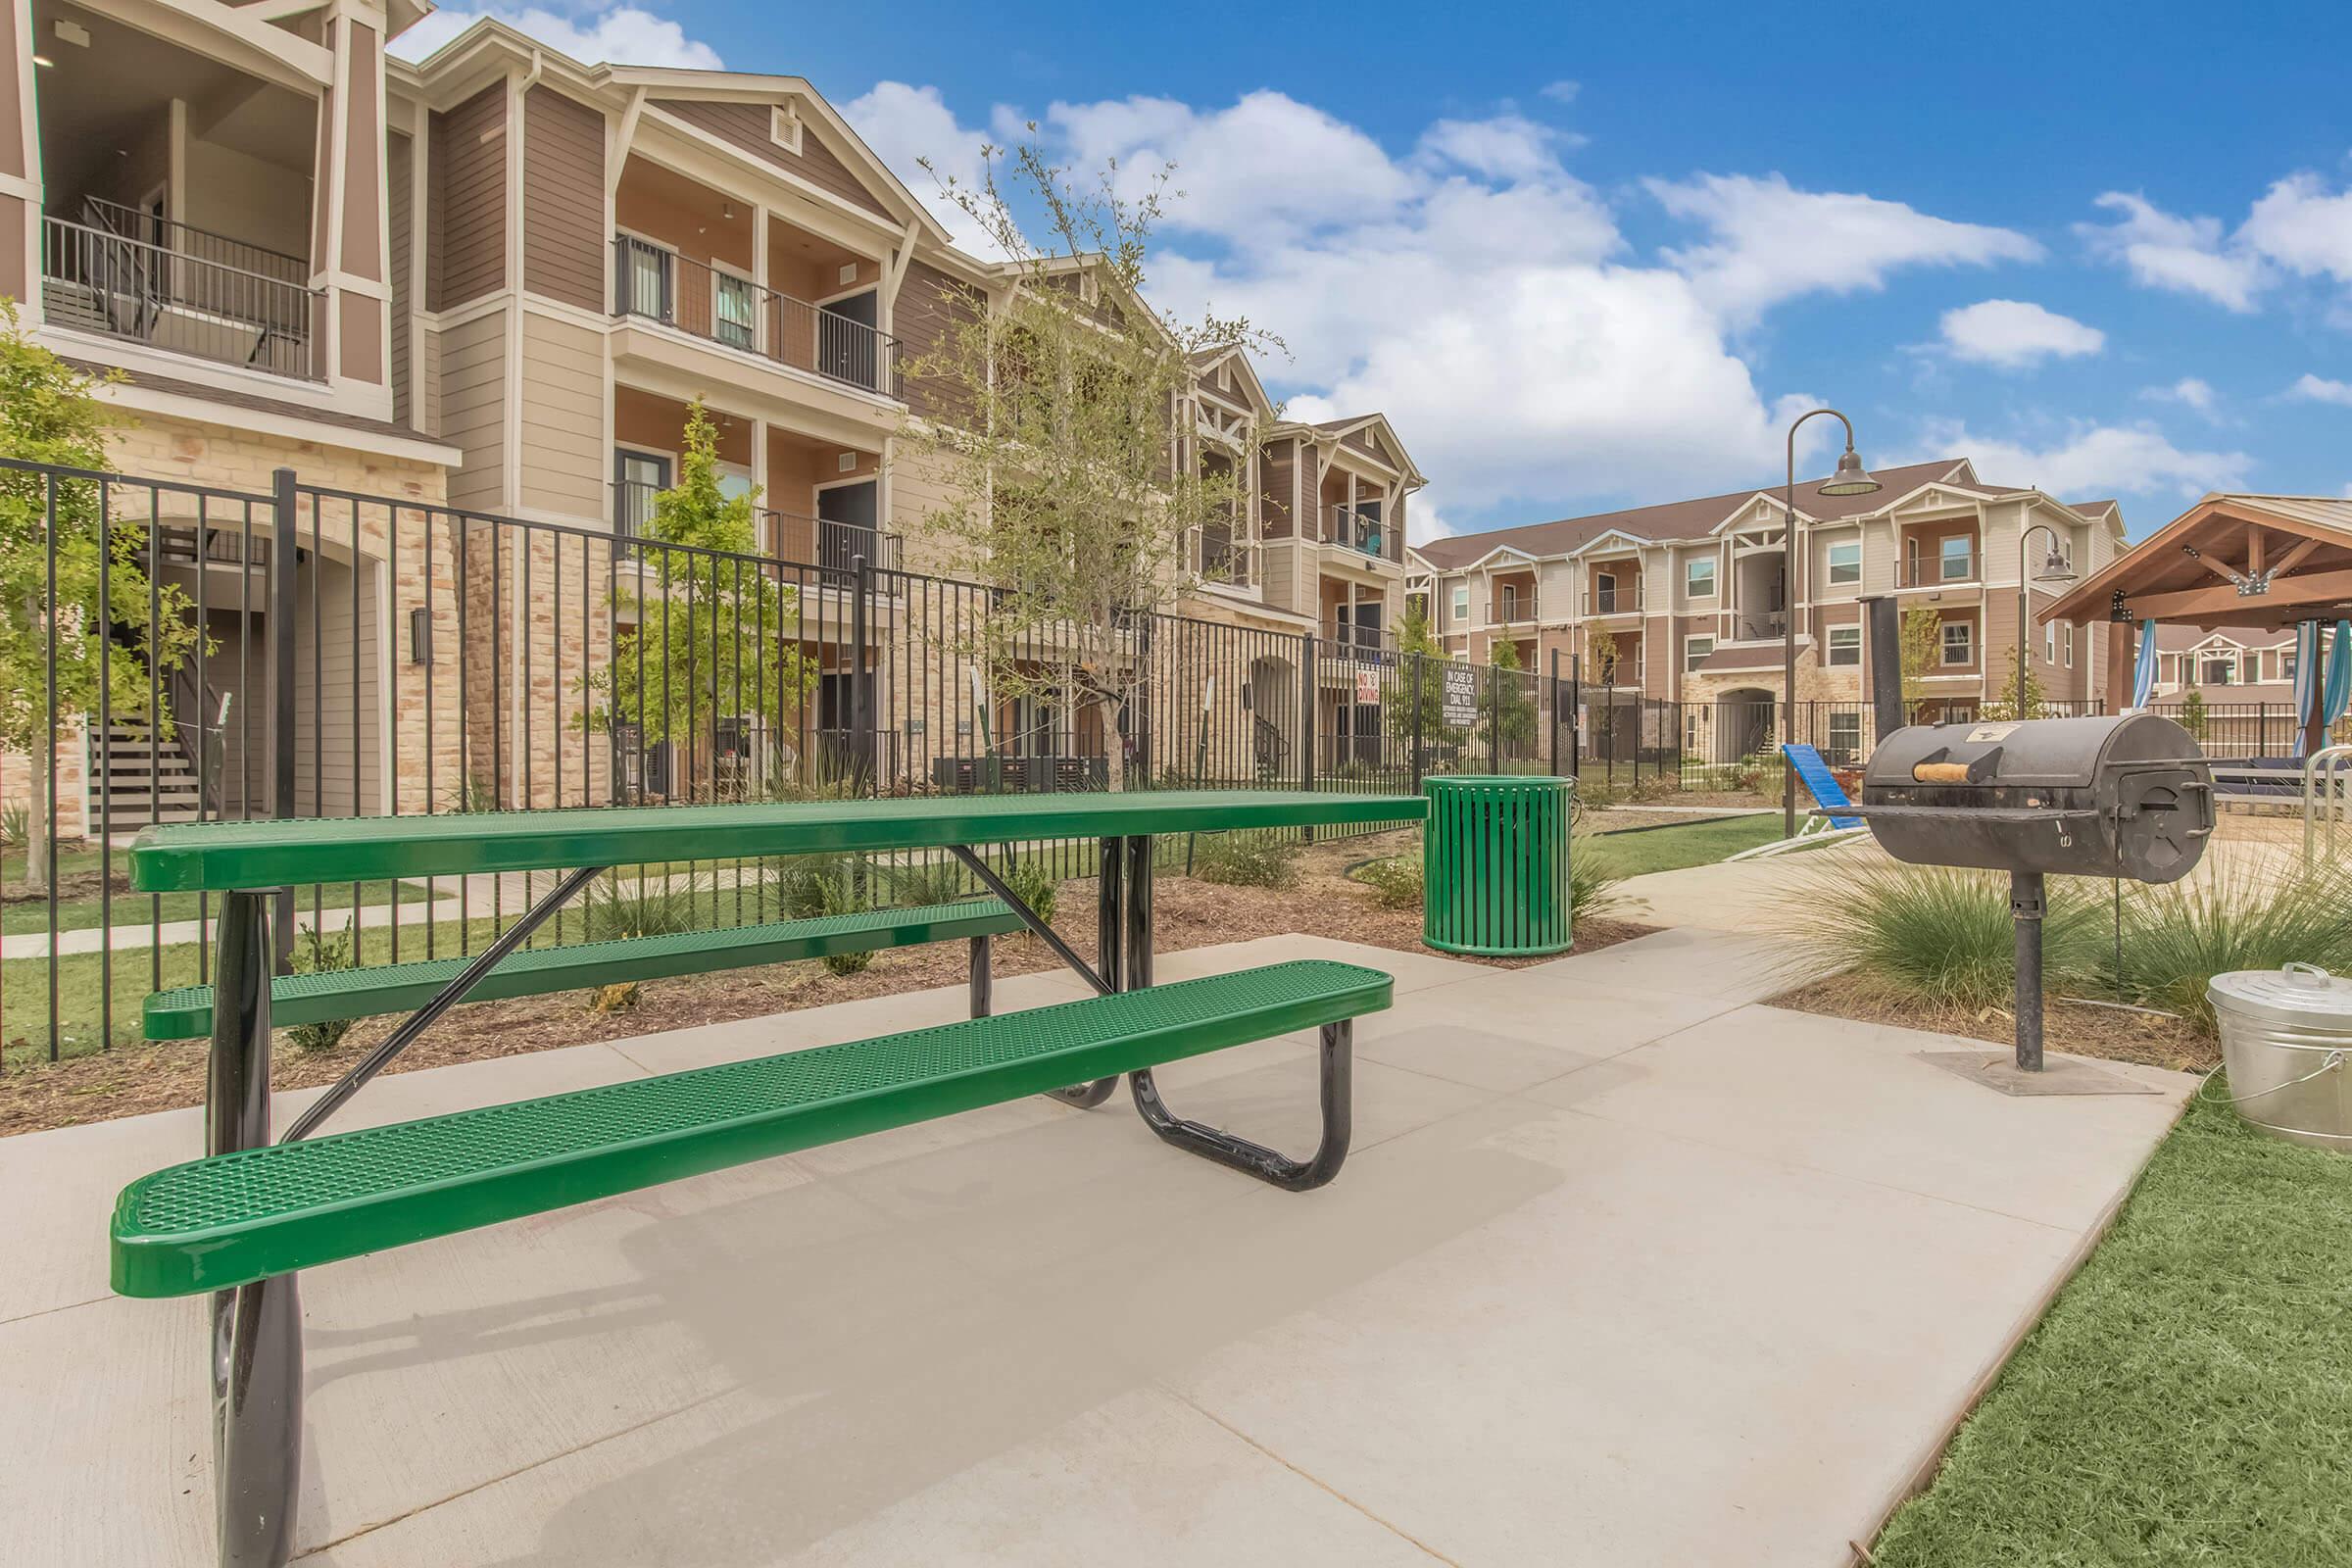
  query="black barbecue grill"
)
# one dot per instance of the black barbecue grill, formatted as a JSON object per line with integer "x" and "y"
{"x": 2119, "y": 797}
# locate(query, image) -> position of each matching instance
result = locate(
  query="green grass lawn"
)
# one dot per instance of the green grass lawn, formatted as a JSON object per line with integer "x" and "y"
{"x": 2189, "y": 1397}
{"x": 1670, "y": 849}
{"x": 81, "y": 908}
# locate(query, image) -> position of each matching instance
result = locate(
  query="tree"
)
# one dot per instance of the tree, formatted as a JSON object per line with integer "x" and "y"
{"x": 1921, "y": 645}
{"x": 50, "y": 414}
{"x": 714, "y": 634}
{"x": 2191, "y": 717}
{"x": 1066, "y": 486}
{"x": 2007, "y": 706}
{"x": 1601, "y": 669}
{"x": 1421, "y": 664}
{"x": 1507, "y": 708}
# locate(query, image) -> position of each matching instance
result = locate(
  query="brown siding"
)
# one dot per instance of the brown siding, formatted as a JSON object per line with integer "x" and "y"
{"x": 929, "y": 303}
{"x": 399, "y": 156}
{"x": 563, "y": 234}
{"x": 468, "y": 200}
{"x": 1274, "y": 483}
{"x": 747, "y": 126}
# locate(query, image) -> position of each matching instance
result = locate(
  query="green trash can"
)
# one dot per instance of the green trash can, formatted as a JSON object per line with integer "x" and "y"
{"x": 1494, "y": 867}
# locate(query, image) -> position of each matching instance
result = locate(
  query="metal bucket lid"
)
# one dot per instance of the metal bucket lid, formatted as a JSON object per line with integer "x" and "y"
{"x": 2300, "y": 994}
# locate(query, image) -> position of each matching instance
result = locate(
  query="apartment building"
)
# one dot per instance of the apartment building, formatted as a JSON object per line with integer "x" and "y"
{"x": 497, "y": 278}
{"x": 1688, "y": 601}
{"x": 2226, "y": 663}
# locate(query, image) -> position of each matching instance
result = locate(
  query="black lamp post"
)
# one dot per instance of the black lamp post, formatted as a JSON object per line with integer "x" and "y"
{"x": 2055, "y": 567}
{"x": 1851, "y": 479}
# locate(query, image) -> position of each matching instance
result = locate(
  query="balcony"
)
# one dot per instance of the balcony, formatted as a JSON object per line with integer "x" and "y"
{"x": 1369, "y": 645}
{"x": 1760, "y": 626}
{"x": 1618, "y": 601}
{"x": 1227, "y": 562}
{"x": 788, "y": 537}
{"x": 183, "y": 290}
{"x": 1511, "y": 610}
{"x": 1937, "y": 570}
{"x": 656, "y": 284}
{"x": 1355, "y": 530}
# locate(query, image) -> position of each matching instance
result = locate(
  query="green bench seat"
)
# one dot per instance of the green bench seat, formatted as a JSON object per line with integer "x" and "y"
{"x": 186, "y": 1014}
{"x": 241, "y": 1217}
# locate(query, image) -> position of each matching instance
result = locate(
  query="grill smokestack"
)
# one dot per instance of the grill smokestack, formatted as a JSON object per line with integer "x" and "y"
{"x": 1886, "y": 637}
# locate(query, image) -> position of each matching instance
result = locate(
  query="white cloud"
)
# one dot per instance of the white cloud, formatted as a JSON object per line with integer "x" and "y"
{"x": 1506, "y": 147}
{"x": 1771, "y": 242}
{"x": 2016, "y": 334}
{"x": 2303, "y": 226}
{"x": 2185, "y": 254}
{"x": 905, "y": 126}
{"x": 620, "y": 35}
{"x": 2093, "y": 459}
{"x": 1562, "y": 91}
{"x": 2318, "y": 389}
{"x": 2189, "y": 392}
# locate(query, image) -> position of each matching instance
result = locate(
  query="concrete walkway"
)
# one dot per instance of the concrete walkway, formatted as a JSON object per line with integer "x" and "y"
{"x": 1625, "y": 1270}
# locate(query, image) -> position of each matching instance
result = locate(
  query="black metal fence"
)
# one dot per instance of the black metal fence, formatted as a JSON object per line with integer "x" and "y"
{"x": 363, "y": 654}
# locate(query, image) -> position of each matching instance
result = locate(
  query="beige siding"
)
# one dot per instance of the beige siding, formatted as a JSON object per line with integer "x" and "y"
{"x": 919, "y": 485}
{"x": 468, "y": 200}
{"x": 425, "y": 381}
{"x": 564, "y": 455}
{"x": 473, "y": 386}
{"x": 564, "y": 237}
{"x": 748, "y": 127}
{"x": 338, "y": 739}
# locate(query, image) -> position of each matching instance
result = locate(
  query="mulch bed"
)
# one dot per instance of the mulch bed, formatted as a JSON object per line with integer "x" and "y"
{"x": 2113, "y": 1033}
{"x": 129, "y": 1081}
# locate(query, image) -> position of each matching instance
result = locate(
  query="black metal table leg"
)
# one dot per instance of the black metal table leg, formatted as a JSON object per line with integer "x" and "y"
{"x": 983, "y": 978}
{"x": 1256, "y": 1159}
{"x": 1110, "y": 958}
{"x": 1136, "y": 956}
{"x": 256, "y": 1329}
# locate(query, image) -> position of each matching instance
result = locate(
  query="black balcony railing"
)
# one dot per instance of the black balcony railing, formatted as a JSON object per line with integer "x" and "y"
{"x": 1356, "y": 528}
{"x": 1368, "y": 644}
{"x": 1937, "y": 570}
{"x": 785, "y": 536}
{"x": 1624, "y": 598}
{"x": 1511, "y": 610}
{"x": 1224, "y": 559}
{"x": 186, "y": 239}
{"x": 720, "y": 307}
{"x": 98, "y": 282}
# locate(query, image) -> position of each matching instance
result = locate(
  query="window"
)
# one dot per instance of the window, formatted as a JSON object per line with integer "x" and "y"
{"x": 1696, "y": 651}
{"x": 638, "y": 477}
{"x": 1957, "y": 556}
{"x": 2217, "y": 669}
{"x": 1511, "y": 602}
{"x": 2049, "y": 642}
{"x": 734, "y": 314}
{"x": 2070, "y": 645}
{"x": 645, "y": 283}
{"x": 1698, "y": 577}
{"x": 1462, "y": 601}
{"x": 1846, "y": 644}
{"x": 1691, "y": 712}
{"x": 1846, "y": 562}
{"x": 2287, "y": 666}
{"x": 1959, "y": 641}
{"x": 1845, "y": 737}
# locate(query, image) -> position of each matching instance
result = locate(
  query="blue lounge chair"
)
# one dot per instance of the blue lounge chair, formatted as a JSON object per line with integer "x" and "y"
{"x": 1827, "y": 793}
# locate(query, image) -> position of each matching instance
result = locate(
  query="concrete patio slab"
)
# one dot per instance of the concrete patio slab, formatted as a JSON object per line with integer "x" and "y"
{"x": 1623, "y": 1270}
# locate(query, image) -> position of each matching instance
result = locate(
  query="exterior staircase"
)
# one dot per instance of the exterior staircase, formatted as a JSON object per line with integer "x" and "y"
{"x": 136, "y": 780}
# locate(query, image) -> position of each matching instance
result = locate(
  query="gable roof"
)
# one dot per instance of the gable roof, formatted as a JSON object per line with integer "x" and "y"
{"x": 2177, "y": 638}
{"x": 1683, "y": 519}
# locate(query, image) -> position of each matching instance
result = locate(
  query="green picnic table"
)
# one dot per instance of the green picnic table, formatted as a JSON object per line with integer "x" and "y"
{"x": 240, "y": 1222}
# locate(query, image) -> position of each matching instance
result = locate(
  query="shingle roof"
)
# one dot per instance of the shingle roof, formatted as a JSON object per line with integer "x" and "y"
{"x": 254, "y": 402}
{"x": 2174, "y": 638}
{"x": 1682, "y": 519}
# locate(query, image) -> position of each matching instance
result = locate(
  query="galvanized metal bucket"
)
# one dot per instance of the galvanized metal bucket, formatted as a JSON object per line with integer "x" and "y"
{"x": 2286, "y": 1035}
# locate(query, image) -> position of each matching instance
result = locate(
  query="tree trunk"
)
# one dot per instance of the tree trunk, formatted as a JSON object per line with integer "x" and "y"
{"x": 36, "y": 821}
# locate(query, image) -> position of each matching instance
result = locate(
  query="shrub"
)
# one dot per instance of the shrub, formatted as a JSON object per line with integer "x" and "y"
{"x": 1591, "y": 891}
{"x": 1396, "y": 882}
{"x": 809, "y": 886}
{"x": 921, "y": 882}
{"x": 1034, "y": 886}
{"x": 2242, "y": 914}
{"x": 16, "y": 821}
{"x": 1937, "y": 936}
{"x": 1248, "y": 860}
{"x": 314, "y": 954}
{"x": 616, "y": 908}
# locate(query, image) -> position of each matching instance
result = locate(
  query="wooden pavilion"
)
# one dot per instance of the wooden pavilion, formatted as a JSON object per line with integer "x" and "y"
{"x": 2229, "y": 560}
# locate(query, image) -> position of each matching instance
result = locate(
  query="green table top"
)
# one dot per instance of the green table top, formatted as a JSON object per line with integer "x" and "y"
{"x": 217, "y": 857}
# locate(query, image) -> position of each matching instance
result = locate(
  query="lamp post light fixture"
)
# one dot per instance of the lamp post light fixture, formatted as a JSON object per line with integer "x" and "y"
{"x": 1851, "y": 479}
{"x": 2055, "y": 567}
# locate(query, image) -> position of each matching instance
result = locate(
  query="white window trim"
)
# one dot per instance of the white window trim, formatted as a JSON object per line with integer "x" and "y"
{"x": 1830, "y": 562}
{"x": 2070, "y": 645}
{"x": 1831, "y": 645}
{"x": 1943, "y": 642}
{"x": 1943, "y": 560}
{"x": 1714, "y": 578}
{"x": 1462, "y": 601}
{"x": 1690, "y": 640}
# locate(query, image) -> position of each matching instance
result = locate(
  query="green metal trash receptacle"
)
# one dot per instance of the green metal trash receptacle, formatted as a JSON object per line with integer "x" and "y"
{"x": 1494, "y": 867}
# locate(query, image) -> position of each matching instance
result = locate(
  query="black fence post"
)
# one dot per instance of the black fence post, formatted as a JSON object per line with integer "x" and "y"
{"x": 1414, "y": 679}
{"x": 279, "y": 686}
{"x": 1306, "y": 720}
{"x": 862, "y": 714}
{"x": 1493, "y": 712}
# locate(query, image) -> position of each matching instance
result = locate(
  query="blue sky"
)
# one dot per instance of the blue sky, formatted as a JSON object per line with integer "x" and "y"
{"x": 1596, "y": 256}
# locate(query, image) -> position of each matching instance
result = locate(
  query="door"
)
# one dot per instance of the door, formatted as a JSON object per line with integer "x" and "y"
{"x": 847, "y": 517}
{"x": 637, "y": 477}
{"x": 847, "y": 342}
{"x": 645, "y": 284}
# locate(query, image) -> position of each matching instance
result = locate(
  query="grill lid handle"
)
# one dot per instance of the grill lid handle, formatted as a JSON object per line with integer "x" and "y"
{"x": 1937, "y": 768}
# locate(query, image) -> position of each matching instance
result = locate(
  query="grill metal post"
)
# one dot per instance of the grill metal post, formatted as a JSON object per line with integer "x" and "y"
{"x": 2025, "y": 910}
